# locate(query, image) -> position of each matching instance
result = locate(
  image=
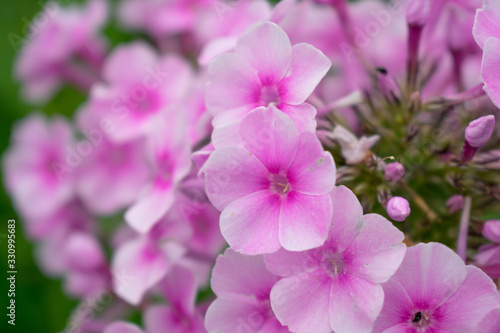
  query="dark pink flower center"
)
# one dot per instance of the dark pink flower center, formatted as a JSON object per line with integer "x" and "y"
{"x": 269, "y": 95}
{"x": 279, "y": 184}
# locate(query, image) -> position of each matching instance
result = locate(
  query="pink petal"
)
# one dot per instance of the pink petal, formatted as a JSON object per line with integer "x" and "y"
{"x": 288, "y": 263}
{"x": 303, "y": 116}
{"x": 122, "y": 327}
{"x": 146, "y": 212}
{"x": 312, "y": 170}
{"x": 238, "y": 274}
{"x": 488, "y": 254}
{"x": 179, "y": 287}
{"x": 160, "y": 319}
{"x": 398, "y": 308}
{"x": 490, "y": 323}
{"x": 354, "y": 304}
{"x": 232, "y": 83}
{"x": 250, "y": 224}
{"x": 232, "y": 173}
{"x": 377, "y": 251}
{"x": 235, "y": 314}
{"x": 430, "y": 273}
{"x": 304, "y": 221}
{"x": 347, "y": 220}
{"x": 490, "y": 70}
{"x": 475, "y": 297}
{"x": 486, "y": 22}
{"x": 307, "y": 68}
{"x": 271, "y": 136}
{"x": 301, "y": 302}
{"x": 267, "y": 49}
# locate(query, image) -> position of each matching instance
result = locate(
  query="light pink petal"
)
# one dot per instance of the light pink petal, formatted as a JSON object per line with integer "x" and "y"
{"x": 301, "y": 302}
{"x": 347, "y": 218}
{"x": 136, "y": 57}
{"x": 235, "y": 314}
{"x": 232, "y": 83}
{"x": 161, "y": 319}
{"x": 307, "y": 68}
{"x": 138, "y": 265}
{"x": 216, "y": 47}
{"x": 271, "y": 136}
{"x": 490, "y": 70}
{"x": 377, "y": 251}
{"x": 313, "y": 169}
{"x": 490, "y": 323}
{"x": 122, "y": 327}
{"x": 250, "y": 224}
{"x": 475, "y": 297}
{"x": 272, "y": 325}
{"x": 179, "y": 287}
{"x": 488, "y": 254}
{"x": 267, "y": 49}
{"x": 304, "y": 221}
{"x": 227, "y": 126}
{"x": 398, "y": 308}
{"x": 238, "y": 274}
{"x": 232, "y": 173}
{"x": 354, "y": 304}
{"x": 430, "y": 273}
{"x": 288, "y": 263}
{"x": 146, "y": 212}
{"x": 486, "y": 23}
{"x": 303, "y": 116}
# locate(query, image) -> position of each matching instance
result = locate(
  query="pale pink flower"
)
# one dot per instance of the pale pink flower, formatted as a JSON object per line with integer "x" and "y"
{"x": 35, "y": 169}
{"x": 273, "y": 190}
{"x": 169, "y": 154}
{"x": 131, "y": 100}
{"x": 338, "y": 285}
{"x": 264, "y": 70}
{"x": 434, "y": 291}
{"x": 181, "y": 315}
{"x": 122, "y": 327}
{"x": 242, "y": 285}
{"x": 57, "y": 36}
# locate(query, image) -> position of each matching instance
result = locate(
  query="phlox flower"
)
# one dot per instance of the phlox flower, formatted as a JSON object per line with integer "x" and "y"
{"x": 338, "y": 286}
{"x": 264, "y": 70}
{"x": 242, "y": 285}
{"x": 490, "y": 253}
{"x": 273, "y": 190}
{"x": 169, "y": 153}
{"x": 181, "y": 315}
{"x": 434, "y": 291}
{"x": 487, "y": 34}
{"x": 35, "y": 170}
{"x": 130, "y": 100}
{"x": 56, "y": 37}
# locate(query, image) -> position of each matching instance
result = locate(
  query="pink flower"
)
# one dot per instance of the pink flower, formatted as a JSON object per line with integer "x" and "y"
{"x": 398, "y": 209}
{"x": 169, "y": 154}
{"x": 132, "y": 99}
{"x": 264, "y": 70}
{"x": 111, "y": 176}
{"x": 434, "y": 291}
{"x": 487, "y": 22}
{"x": 273, "y": 190}
{"x": 338, "y": 286}
{"x": 35, "y": 167}
{"x": 490, "y": 254}
{"x": 181, "y": 315}
{"x": 242, "y": 285}
{"x": 56, "y": 36}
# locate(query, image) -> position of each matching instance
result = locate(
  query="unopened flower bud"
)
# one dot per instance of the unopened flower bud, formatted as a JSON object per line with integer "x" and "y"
{"x": 398, "y": 208}
{"x": 455, "y": 203}
{"x": 477, "y": 134}
{"x": 479, "y": 131}
{"x": 394, "y": 172}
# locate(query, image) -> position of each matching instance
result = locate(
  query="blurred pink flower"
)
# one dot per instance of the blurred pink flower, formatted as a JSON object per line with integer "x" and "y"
{"x": 37, "y": 170}
{"x": 338, "y": 286}
{"x": 272, "y": 191}
{"x": 354, "y": 150}
{"x": 242, "y": 285}
{"x": 434, "y": 290}
{"x": 489, "y": 254}
{"x": 122, "y": 327}
{"x": 56, "y": 38}
{"x": 264, "y": 70}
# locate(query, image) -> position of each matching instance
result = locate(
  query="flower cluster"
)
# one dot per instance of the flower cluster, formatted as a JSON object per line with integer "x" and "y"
{"x": 268, "y": 129}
